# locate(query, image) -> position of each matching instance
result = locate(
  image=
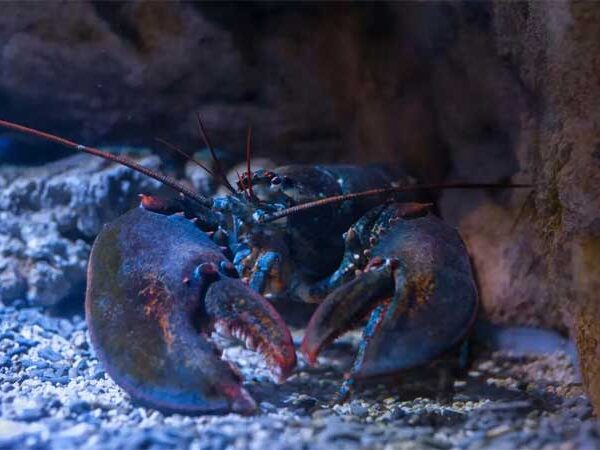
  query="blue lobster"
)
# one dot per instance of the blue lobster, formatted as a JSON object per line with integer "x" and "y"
{"x": 162, "y": 277}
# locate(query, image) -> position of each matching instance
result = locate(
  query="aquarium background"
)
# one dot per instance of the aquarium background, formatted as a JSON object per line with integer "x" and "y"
{"x": 461, "y": 91}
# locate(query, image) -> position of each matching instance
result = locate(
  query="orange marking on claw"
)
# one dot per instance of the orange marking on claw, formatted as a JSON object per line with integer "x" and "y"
{"x": 158, "y": 307}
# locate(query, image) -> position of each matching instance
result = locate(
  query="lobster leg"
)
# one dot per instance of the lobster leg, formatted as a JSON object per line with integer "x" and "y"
{"x": 263, "y": 261}
{"x": 266, "y": 264}
{"x": 356, "y": 242}
{"x": 369, "y": 331}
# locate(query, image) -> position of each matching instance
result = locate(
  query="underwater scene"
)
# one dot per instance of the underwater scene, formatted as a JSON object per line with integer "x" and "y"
{"x": 299, "y": 225}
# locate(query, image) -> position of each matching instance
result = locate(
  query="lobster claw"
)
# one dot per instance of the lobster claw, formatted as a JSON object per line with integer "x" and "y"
{"x": 399, "y": 332}
{"x": 242, "y": 313}
{"x": 344, "y": 308}
{"x": 417, "y": 291}
{"x": 157, "y": 287}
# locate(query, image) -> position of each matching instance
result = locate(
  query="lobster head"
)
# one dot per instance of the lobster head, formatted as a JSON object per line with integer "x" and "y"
{"x": 262, "y": 251}
{"x": 268, "y": 187}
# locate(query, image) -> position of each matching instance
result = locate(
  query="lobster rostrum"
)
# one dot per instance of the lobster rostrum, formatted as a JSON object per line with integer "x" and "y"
{"x": 162, "y": 277}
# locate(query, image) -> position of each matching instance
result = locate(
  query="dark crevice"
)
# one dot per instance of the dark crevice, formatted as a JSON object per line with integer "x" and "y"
{"x": 112, "y": 12}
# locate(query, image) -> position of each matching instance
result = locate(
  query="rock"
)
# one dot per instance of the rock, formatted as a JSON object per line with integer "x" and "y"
{"x": 48, "y": 218}
{"x": 24, "y": 342}
{"x": 339, "y": 434}
{"x": 541, "y": 267}
{"x": 16, "y": 351}
{"x": 151, "y": 74}
{"x": 202, "y": 182}
{"x": 397, "y": 414}
{"x": 77, "y": 432}
{"x": 267, "y": 407}
{"x": 49, "y": 354}
{"x": 28, "y": 409}
{"x": 5, "y": 361}
{"x": 587, "y": 313}
{"x": 12, "y": 434}
{"x": 78, "y": 407}
{"x": 359, "y": 410}
{"x": 305, "y": 402}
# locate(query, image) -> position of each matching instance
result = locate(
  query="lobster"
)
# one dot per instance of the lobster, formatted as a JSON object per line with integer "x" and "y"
{"x": 162, "y": 277}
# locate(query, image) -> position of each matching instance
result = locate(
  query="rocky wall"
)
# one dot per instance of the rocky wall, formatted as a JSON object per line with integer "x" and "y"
{"x": 554, "y": 49}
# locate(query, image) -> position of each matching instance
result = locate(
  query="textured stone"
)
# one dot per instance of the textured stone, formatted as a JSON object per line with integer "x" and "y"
{"x": 545, "y": 269}
{"x": 49, "y": 217}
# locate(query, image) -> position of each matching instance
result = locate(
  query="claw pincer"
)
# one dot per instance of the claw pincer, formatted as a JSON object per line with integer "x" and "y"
{"x": 409, "y": 274}
{"x": 157, "y": 288}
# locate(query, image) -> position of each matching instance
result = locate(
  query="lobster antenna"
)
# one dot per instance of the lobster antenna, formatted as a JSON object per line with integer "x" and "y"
{"x": 239, "y": 177}
{"x": 529, "y": 199}
{"x": 184, "y": 154}
{"x": 168, "y": 181}
{"x": 248, "y": 158}
{"x": 381, "y": 191}
{"x": 218, "y": 166}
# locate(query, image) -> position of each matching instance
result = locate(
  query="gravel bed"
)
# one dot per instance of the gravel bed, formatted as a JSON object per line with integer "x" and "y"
{"x": 56, "y": 395}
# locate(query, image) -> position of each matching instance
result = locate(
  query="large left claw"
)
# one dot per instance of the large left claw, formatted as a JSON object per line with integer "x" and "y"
{"x": 157, "y": 287}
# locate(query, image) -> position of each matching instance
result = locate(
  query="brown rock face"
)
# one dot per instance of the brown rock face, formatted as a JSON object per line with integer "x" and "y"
{"x": 586, "y": 254}
{"x": 476, "y": 91}
{"x": 555, "y": 51}
{"x": 345, "y": 82}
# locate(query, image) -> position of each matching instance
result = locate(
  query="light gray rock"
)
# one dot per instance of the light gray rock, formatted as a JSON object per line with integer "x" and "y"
{"x": 13, "y": 434}
{"x": 28, "y": 409}
{"x": 49, "y": 216}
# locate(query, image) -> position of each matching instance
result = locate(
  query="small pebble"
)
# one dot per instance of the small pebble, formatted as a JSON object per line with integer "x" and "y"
{"x": 28, "y": 409}
{"x": 5, "y": 361}
{"x": 359, "y": 410}
{"x": 499, "y": 430}
{"x": 49, "y": 354}
{"x": 25, "y": 342}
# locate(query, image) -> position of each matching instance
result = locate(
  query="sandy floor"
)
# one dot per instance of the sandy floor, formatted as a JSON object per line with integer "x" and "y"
{"x": 55, "y": 394}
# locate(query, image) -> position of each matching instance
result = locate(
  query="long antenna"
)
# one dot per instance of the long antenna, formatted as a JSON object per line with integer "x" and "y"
{"x": 248, "y": 158}
{"x": 382, "y": 191}
{"x": 218, "y": 166}
{"x": 184, "y": 154}
{"x": 168, "y": 181}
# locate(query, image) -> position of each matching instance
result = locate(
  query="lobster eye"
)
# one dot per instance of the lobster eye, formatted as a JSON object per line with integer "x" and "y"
{"x": 276, "y": 183}
{"x": 229, "y": 269}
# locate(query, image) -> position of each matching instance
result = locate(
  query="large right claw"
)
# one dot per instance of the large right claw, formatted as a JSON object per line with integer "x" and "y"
{"x": 415, "y": 288}
{"x": 157, "y": 288}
